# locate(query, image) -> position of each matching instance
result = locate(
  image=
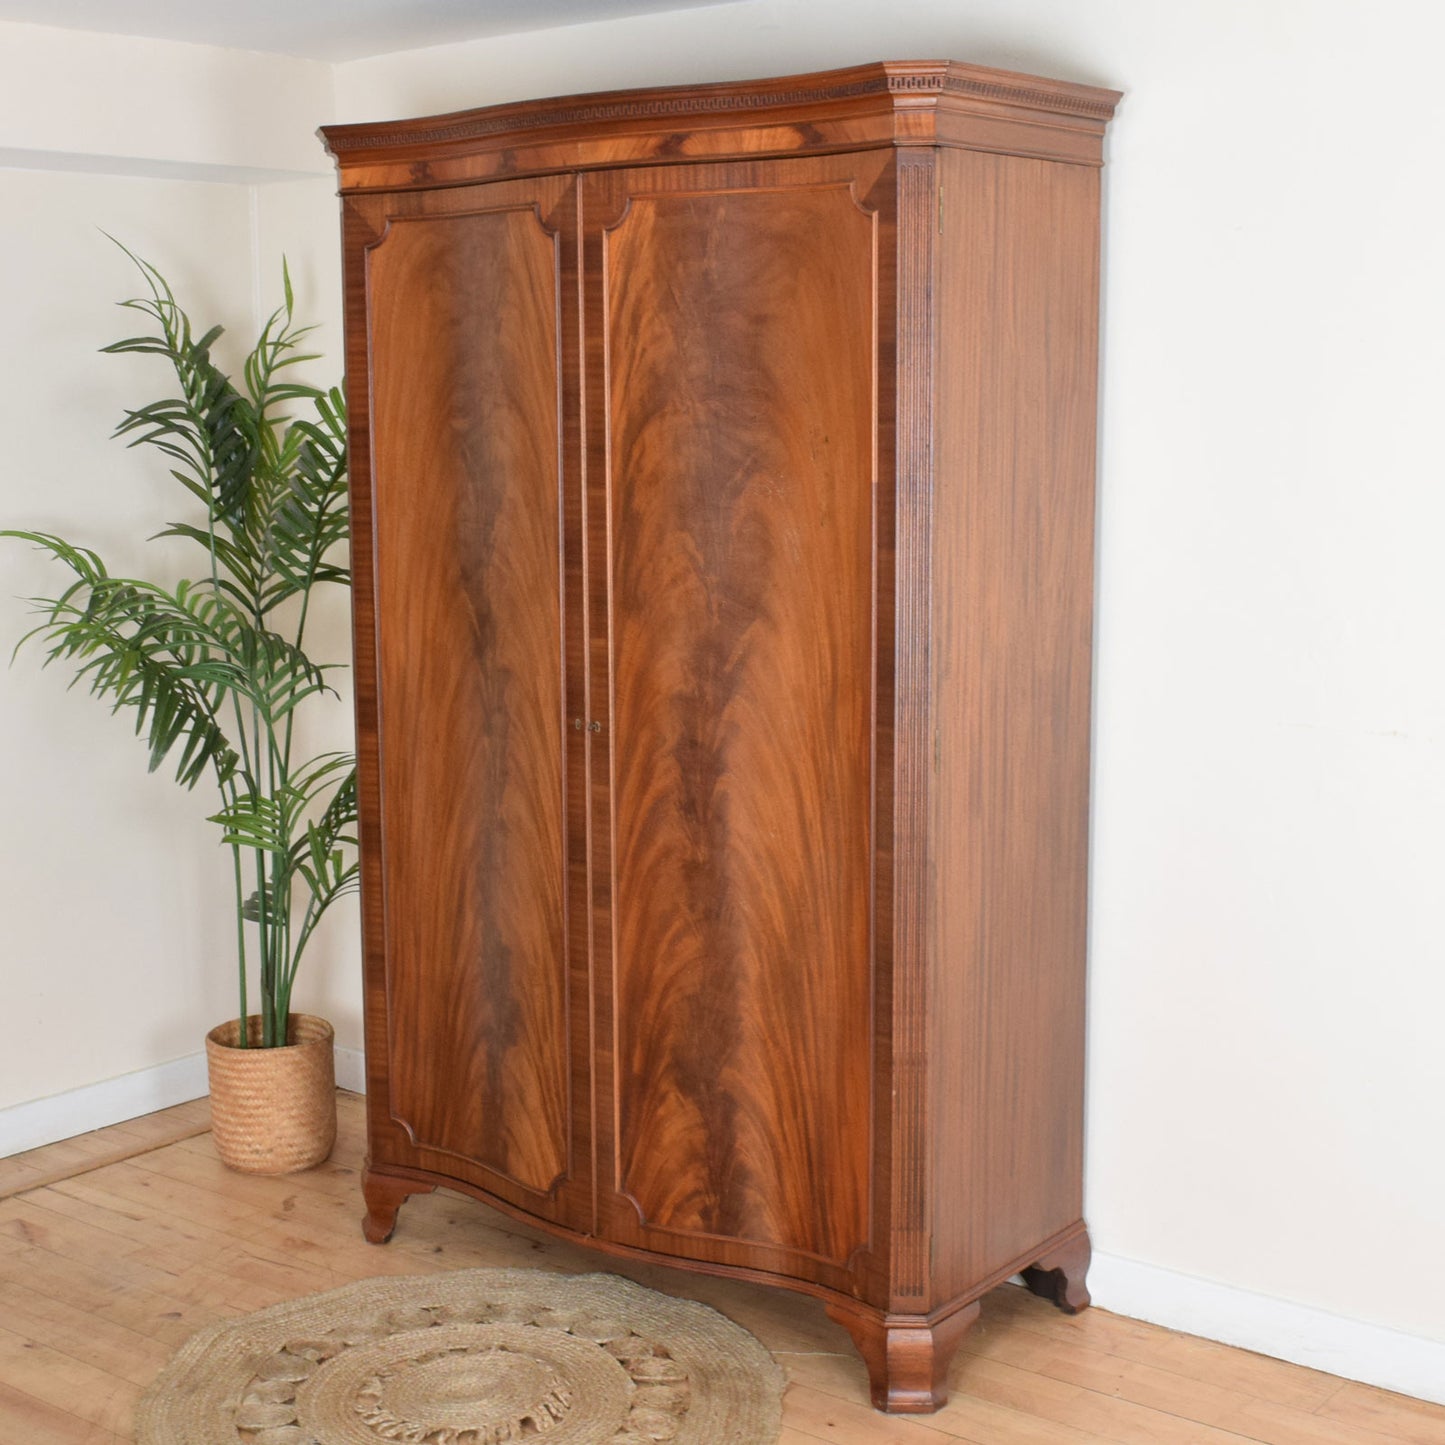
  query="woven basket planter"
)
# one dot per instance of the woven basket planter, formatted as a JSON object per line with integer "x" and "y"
{"x": 273, "y": 1111}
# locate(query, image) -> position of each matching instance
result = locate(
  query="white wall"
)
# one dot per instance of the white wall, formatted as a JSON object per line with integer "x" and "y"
{"x": 111, "y": 882}
{"x": 72, "y": 99}
{"x": 1268, "y": 973}
{"x": 119, "y": 936}
{"x": 1266, "y": 1076}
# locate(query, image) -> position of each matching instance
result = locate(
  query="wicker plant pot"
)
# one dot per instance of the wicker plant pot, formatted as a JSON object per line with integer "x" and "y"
{"x": 273, "y": 1111}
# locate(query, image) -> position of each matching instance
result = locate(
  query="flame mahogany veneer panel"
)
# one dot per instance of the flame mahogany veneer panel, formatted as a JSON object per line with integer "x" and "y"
{"x": 740, "y": 520}
{"x": 464, "y": 381}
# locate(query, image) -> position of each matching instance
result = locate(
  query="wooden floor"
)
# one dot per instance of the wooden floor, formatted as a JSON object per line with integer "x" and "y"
{"x": 116, "y": 1247}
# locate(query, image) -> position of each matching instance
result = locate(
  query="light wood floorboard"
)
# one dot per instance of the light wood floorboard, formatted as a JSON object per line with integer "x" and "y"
{"x": 22, "y": 1172}
{"x": 116, "y": 1246}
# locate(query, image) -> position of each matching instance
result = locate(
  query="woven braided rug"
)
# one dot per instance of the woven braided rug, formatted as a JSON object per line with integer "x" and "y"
{"x": 479, "y": 1357}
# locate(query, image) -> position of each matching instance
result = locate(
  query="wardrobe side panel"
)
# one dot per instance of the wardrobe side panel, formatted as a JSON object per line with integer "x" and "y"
{"x": 465, "y": 354}
{"x": 1011, "y": 629}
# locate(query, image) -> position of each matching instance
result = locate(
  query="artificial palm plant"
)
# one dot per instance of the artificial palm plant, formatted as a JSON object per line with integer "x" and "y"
{"x": 214, "y": 670}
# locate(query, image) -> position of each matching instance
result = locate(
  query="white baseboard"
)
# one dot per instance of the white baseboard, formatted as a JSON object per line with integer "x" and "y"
{"x": 1373, "y": 1354}
{"x": 113, "y": 1101}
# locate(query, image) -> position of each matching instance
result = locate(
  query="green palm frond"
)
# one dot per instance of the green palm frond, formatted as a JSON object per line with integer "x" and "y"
{"x": 326, "y": 858}
{"x": 139, "y": 655}
{"x": 235, "y": 574}
{"x": 311, "y": 520}
{"x": 211, "y": 430}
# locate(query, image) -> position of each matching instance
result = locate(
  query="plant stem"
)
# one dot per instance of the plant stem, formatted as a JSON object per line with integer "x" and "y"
{"x": 240, "y": 937}
{"x": 308, "y": 922}
{"x": 300, "y": 633}
{"x": 263, "y": 931}
{"x": 280, "y": 900}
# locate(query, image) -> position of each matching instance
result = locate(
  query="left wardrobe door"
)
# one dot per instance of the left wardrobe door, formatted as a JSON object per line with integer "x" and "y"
{"x": 466, "y": 484}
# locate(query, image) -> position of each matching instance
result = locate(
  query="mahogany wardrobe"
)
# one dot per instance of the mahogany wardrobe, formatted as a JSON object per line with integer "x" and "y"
{"x": 722, "y": 465}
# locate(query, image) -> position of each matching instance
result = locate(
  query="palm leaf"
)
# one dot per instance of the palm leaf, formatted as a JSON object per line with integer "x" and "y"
{"x": 326, "y": 856}
{"x": 211, "y": 429}
{"x": 133, "y": 655}
{"x": 312, "y": 518}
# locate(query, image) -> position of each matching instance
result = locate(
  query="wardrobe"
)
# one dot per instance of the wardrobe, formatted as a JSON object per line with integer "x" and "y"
{"x": 722, "y": 466}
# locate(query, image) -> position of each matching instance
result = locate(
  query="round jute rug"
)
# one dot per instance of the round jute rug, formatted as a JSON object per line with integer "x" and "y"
{"x": 479, "y": 1357}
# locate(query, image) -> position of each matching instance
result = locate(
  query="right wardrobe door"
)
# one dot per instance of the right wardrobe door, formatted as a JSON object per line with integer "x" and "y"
{"x": 733, "y": 322}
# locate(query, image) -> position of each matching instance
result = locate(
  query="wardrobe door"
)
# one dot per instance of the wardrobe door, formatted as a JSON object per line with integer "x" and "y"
{"x": 733, "y": 318}
{"x": 472, "y": 770}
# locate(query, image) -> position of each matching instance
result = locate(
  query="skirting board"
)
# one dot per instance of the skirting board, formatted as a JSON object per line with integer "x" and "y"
{"x": 1372, "y": 1354}
{"x": 113, "y": 1101}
